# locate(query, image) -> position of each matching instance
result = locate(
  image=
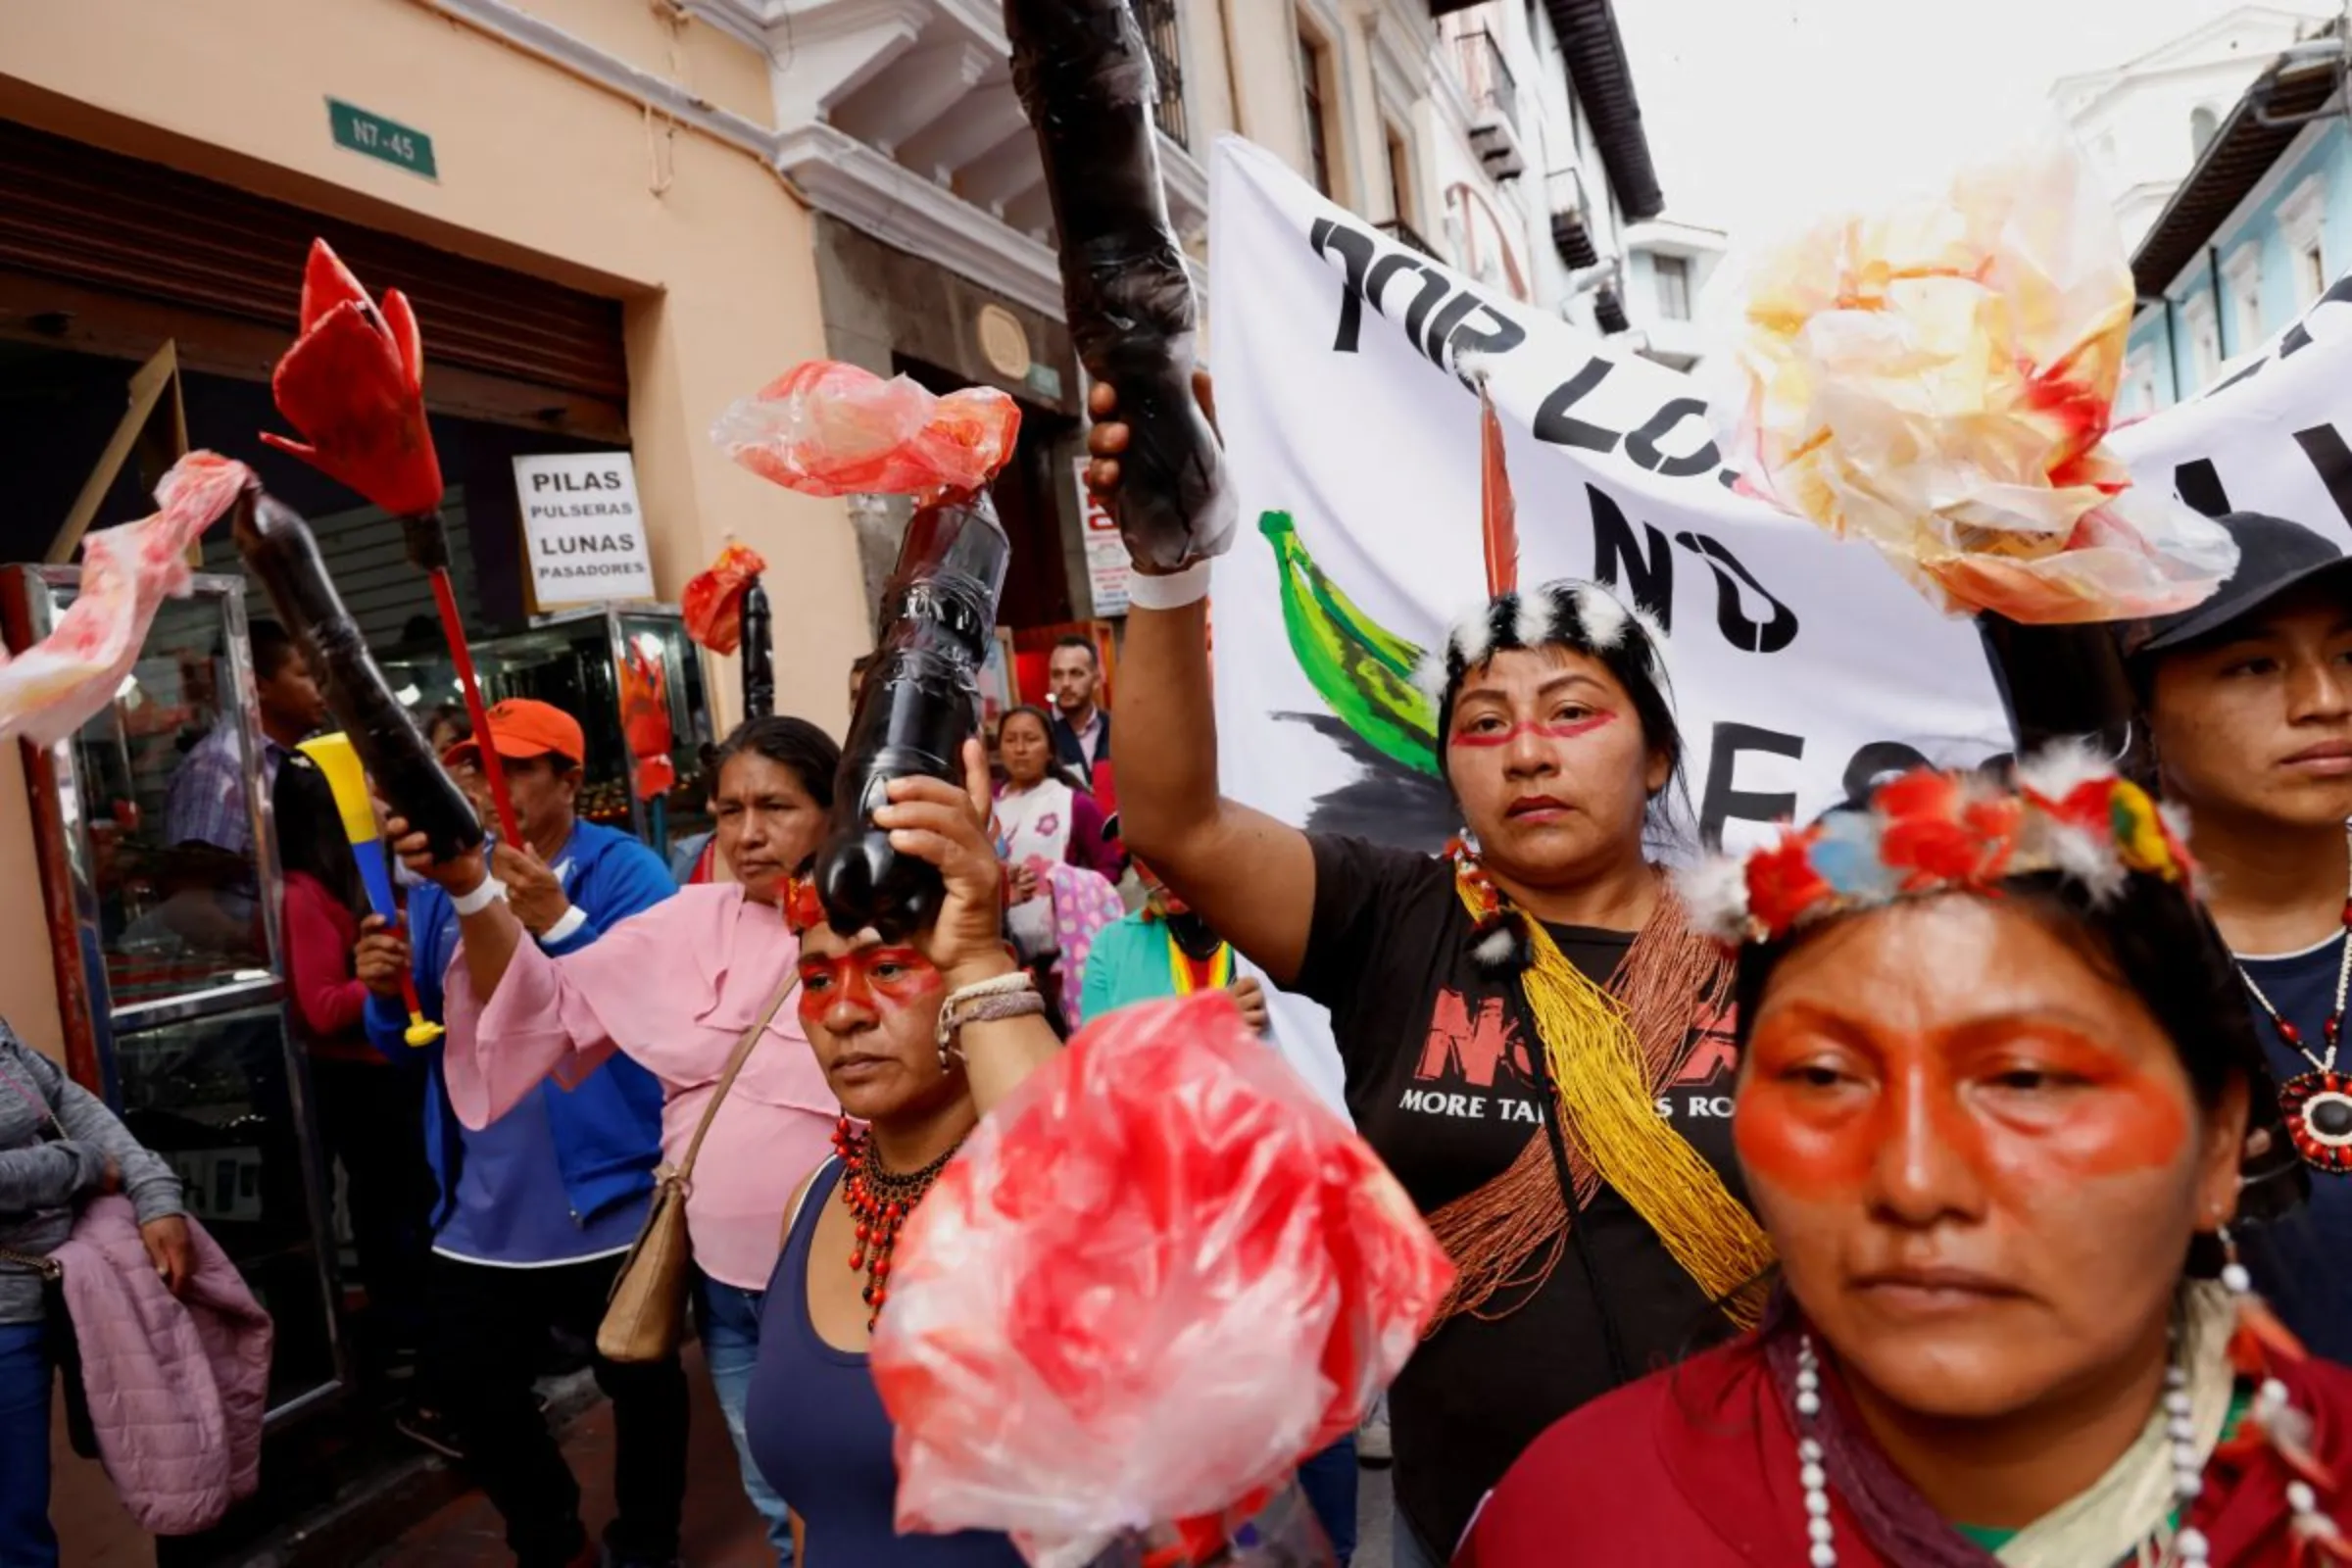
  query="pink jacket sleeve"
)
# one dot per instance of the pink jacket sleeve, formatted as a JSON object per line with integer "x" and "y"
{"x": 649, "y": 978}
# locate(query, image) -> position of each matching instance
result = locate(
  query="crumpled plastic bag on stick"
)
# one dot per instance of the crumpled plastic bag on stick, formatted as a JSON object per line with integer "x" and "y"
{"x": 825, "y": 429}
{"x": 713, "y": 602}
{"x": 53, "y": 688}
{"x": 1159, "y": 1276}
{"x": 1940, "y": 378}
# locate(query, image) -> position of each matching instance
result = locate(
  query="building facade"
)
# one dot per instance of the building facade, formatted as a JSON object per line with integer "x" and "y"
{"x": 2254, "y": 233}
{"x": 2145, "y": 121}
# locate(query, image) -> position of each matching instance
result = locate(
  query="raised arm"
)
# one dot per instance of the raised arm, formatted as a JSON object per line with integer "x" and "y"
{"x": 1250, "y": 876}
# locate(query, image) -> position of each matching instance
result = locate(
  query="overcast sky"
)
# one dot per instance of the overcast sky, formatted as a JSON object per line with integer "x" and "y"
{"x": 1758, "y": 109}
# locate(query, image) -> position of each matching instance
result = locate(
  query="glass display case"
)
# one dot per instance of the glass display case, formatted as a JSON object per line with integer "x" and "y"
{"x": 574, "y": 660}
{"x": 161, "y": 889}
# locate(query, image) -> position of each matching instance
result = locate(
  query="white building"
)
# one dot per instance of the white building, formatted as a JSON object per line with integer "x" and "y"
{"x": 2145, "y": 121}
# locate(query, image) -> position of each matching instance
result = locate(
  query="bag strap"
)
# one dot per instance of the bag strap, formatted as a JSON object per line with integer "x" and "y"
{"x": 726, "y": 1081}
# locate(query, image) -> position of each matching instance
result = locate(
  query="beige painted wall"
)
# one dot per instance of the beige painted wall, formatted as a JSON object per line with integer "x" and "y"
{"x": 540, "y": 171}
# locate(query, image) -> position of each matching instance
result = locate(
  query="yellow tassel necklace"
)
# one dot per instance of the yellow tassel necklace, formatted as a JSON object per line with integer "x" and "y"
{"x": 1607, "y": 1110}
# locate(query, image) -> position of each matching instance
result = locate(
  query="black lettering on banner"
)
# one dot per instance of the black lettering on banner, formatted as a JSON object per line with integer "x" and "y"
{"x": 1434, "y": 288}
{"x": 1731, "y": 615}
{"x": 1642, "y": 445}
{"x": 1355, "y": 248}
{"x": 1618, "y": 560}
{"x": 1451, "y": 332}
{"x": 2333, "y": 462}
{"x": 1721, "y": 800}
{"x": 1872, "y": 763}
{"x": 2200, "y": 487}
{"x": 2298, "y": 336}
{"x": 1555, "y": 423}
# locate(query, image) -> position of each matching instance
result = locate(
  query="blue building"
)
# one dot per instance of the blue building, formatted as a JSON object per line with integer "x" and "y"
{"x": 2254, "y": 235}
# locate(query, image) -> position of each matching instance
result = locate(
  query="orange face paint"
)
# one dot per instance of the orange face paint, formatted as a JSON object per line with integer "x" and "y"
{"x": 880, "y": 980}
{"x": 2023, "y": 1104}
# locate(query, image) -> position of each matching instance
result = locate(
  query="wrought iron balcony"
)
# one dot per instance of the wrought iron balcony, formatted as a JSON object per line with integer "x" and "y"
{"x": 1487, "y": 76}
{"x": 1158, "y": 21}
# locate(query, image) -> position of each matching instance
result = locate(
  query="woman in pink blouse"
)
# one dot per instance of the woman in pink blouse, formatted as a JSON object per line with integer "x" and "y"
{"x": 676, "y": 987}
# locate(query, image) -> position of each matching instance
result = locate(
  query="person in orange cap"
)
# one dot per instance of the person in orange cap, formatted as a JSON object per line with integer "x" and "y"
{"x": 537, "y": 1207}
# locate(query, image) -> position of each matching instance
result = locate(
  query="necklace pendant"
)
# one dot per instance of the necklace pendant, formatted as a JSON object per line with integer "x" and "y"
{"x": 2318, "y": 1116}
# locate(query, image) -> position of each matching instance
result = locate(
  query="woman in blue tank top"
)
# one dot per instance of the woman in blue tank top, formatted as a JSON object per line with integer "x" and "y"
{"x": 871, "y": 1010}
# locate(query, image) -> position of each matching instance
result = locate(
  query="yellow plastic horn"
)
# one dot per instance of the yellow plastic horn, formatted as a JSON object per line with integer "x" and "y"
{"x": 336, "y": 759}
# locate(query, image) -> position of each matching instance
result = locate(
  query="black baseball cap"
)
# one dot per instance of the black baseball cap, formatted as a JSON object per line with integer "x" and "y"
{"x": 2273, "y": 555}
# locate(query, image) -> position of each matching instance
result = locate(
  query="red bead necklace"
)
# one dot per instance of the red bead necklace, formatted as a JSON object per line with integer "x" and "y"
{"x": 879, "y": 1200}
{"x": 2317, "y": 1105}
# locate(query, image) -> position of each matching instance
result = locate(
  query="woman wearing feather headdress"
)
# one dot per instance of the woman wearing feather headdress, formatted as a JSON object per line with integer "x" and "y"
{"x": 1512, "y": 1018}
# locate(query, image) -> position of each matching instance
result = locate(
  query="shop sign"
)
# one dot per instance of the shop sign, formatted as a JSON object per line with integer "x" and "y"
{"x": 583, "y": 528}
{"x": 377, "y": 137}
{"x": 1107, "y": 564}
{"x": 1045, "y": 381}
{"x": 1004, "y": 341}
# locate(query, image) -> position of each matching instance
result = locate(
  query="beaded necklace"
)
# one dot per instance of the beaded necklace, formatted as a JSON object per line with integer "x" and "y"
{"x": 879, "y": 1200}
{"x": 2317, "y": 1105}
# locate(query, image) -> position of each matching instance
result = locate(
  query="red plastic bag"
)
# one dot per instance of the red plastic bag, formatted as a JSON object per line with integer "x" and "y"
{"x": 713, "y": 602}
{"x": 825, "y": 429}
{"x": 1157, "y": 1277}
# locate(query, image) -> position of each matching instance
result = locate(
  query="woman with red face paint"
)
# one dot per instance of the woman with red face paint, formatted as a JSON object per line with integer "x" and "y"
{"x": 1533, "y": 1037}
{"x": 871, "y": 1010}
{"x": 677, "y": 987}
{"x": 1992, "y": 1106}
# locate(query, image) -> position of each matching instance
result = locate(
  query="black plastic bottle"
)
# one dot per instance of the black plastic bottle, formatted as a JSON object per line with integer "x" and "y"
{"x": 922, "y": 701}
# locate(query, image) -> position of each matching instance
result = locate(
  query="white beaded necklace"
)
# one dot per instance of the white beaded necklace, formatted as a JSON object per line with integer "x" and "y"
{"x": 2189, "y": 1545}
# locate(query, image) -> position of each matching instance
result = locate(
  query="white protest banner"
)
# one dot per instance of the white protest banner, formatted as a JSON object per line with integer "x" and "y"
{"x": 1802, "y": 665}
{"x": 583, "y": 528}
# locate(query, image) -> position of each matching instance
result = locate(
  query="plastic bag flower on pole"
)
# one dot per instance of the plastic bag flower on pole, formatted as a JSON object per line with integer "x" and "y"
{"x": 1940, "y": 379}
{"x": 713, "y": 602}
{"x": 51, "y": 689}
{"x": 825, "y": 429}
{"x": 1157, "y": 1277}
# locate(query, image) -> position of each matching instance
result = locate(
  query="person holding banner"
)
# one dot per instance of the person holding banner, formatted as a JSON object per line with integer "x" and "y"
{"x": 2247, "y": 700}
{"x": 1992, "y": 1102}
{"x": 1531, "y": 1030}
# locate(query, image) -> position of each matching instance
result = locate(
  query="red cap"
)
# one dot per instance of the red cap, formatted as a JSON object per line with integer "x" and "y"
{"x": 520, "y": 727}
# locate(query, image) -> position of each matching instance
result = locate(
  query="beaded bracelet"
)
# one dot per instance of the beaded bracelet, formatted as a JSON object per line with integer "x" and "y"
{"x": 1008, "y": 995}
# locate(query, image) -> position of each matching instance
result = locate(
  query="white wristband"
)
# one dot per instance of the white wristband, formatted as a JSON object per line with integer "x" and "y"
{"x": 490, "y": 890}
{"x": 571, "y": 920}
{"x": 1172, "y": 592}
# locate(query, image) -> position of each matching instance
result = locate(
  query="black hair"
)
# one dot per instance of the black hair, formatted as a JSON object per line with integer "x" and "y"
{"x": 863, "y": 662}
{"x": 814, "y": 755}
{"x": 271, "y": 647}
{"x": 453, "y": 714}
{"x": 1045, "y": 720}
{"x": 310, "y": 832}
{"x": 2154, "y": 939}
{"x": 1074, "y": 640}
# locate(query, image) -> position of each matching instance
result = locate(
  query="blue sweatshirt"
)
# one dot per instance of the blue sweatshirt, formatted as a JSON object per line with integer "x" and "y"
{"x": 565, "y": 1173}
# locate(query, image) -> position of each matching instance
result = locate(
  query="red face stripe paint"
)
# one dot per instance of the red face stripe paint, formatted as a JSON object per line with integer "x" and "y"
{"x": 1561, "y": 730}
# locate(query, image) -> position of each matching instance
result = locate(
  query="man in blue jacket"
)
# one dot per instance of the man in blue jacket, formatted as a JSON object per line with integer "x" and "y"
{"x": 536, "y": 1211}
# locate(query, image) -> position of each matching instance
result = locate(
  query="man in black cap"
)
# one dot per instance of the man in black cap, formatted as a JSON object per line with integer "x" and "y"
{"x": 2247, "y": 700}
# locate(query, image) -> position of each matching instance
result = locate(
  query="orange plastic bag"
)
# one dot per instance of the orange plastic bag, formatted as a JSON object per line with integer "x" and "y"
{"x": 1157, "y": 1277}
{"x": 713, "y": 602}
{"x": 825, "y": 429}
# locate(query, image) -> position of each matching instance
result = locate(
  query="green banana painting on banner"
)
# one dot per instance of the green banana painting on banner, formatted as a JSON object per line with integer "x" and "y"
{"x": 1362, "y": 671}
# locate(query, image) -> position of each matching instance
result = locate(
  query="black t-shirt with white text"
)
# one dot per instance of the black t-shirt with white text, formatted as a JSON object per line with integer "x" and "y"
{"x": 1441, "y": 1085}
